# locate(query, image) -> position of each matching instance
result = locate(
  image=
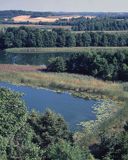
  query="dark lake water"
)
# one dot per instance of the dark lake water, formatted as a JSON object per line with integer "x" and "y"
{"x": 28, "y": 58}
{"x": 73, "y": 109}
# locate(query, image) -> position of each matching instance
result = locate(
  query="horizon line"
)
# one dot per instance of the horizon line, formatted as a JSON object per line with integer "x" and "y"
{"x": 65, "y": 11}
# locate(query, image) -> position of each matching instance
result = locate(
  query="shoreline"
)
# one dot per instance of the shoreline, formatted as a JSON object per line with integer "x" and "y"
{"x": 80, "y": 86}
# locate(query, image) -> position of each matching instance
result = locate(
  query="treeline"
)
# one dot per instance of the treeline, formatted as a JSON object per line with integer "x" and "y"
{"x": 99, "y": 24}
{"x": 96, "y": 24}
{"x": 14, "y": 13}
{"x": 107, "y": 66}
{"x": 30, "y": 37}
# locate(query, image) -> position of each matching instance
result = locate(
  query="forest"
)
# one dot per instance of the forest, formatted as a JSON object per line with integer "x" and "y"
{"x": 31, "y": 37}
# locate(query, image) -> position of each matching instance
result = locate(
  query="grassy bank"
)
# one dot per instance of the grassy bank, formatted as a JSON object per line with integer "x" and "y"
{"x": 65, "y": 50}
{"x": 83, "y": 86}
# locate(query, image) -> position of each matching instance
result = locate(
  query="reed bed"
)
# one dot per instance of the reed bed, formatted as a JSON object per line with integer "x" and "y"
{"x": 82, "y": 86}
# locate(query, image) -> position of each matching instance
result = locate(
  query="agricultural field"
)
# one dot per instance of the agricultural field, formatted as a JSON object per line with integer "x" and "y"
{"x": 28, "y": 18}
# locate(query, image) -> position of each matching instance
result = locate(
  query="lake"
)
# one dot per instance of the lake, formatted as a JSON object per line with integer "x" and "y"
{"x": 73, "y": 109}
{"x": 29, "y": 58}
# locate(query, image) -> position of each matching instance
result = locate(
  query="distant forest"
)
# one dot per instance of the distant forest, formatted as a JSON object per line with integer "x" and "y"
{"x": 13, "y": 13}
{"x": 96, "y": 24}
{"x": 100, "y": 21}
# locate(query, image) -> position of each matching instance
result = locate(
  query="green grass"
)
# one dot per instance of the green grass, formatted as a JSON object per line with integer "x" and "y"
{"x": 65, "y": 49}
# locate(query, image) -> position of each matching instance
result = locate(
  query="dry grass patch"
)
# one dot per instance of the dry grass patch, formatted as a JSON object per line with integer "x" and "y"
{"x": 24, "y": 68}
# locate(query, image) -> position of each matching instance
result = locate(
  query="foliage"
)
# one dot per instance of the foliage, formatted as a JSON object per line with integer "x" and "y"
{"x": 102, "y": 65}
{"x": 26, "y": 136}
{"x": 65, "y": 151}
{"x": 56, "y": 65}
{"x": 34, "y": 37}
{"x": 49, "y": 128}
{"x": 12, "y": 113}
{"x": 115, "y": 147}
{"x": 83, "y": 24}
{"x": 15, "y": 135}
{"x": 22, "y": 147}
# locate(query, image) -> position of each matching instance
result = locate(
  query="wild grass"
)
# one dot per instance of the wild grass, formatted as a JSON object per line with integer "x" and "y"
{"x": 83, "y": 86}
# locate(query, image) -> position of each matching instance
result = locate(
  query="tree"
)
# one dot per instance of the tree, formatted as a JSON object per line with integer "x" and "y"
{"x": 49, "y": 128}
{"x": 86, "y": 38}
{"x": 1, "y": 40}
{"x": 31, "y": 39}
{"x": 9, "y": 40}
{"x": 115, "y": 147}
{"x": 57, "y": 64}
{"x": 70, "y": 40}
{"x": 12, "y": 117}
{"x": 65, "y": 151}
{"x": 61, "y": 37}
{"x": 124, "y": 72}
{"x": 39, "y": 41}
{"x": 21, "y": 146}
